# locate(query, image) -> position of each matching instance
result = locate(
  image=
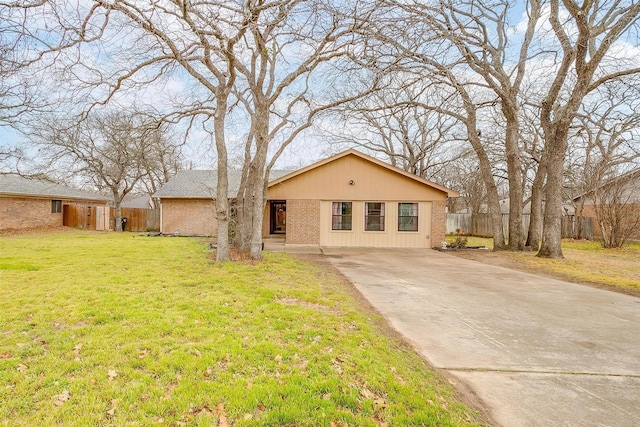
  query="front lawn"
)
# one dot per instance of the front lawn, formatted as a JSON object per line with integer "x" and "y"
{"x": 122, "y": 329}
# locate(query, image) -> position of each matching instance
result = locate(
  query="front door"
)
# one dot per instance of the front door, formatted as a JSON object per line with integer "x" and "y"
{"x": 278, "y": 217}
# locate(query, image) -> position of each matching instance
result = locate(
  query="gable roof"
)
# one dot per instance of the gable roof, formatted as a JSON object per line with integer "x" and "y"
{"x": 630, "y": 180}
{"x": 352, "y": 152}
{"x": 16, "y": 185}
{"x": 142, "y": 202}
{"x": 201, "y": 184}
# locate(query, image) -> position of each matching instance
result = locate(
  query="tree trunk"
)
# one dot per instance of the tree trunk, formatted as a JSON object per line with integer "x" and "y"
{"x": 222, "y": 196}
{"x": 118, "y": 210}
{"x": 253, "y": 187}
{"x": 258, "y": 181}
{"x": 534, "y": 234}
{"x": 514, "y": 171}
{"x": 552, "y": 232}
{"x": 493, "y": 200}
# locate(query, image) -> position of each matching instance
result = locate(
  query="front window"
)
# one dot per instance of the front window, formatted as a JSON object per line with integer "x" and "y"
{"x": 407, "y": 217}
{"x": 374, "y": 216}
{"x": 56, "y": 206}
{"x": 341, "y": 216}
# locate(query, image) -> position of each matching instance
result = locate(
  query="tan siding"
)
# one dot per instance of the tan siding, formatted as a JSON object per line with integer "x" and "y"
{"x": 189, "y": 217}
{"x": 371, "y": 182}
{"x": 391, "y": 237}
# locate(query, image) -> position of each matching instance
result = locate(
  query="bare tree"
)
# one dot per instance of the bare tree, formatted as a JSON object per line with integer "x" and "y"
{"x": 108, "y": 151}
{"x": 479, "y": 31}
{"x": 295, "y": 50}
{"x": 463, "y": 174}
{"x": 585, "y": 33}
{"x": 419, "y": 54}
{"x": 160, "y": 162}
{"x": 617, "y": 209}
{"x": 253, "y": 65}
{"x": 394, "y": 123}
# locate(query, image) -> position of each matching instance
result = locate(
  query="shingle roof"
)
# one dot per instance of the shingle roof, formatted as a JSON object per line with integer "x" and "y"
{"x": 16, "y": 185}
{"x": 201, "y": 184}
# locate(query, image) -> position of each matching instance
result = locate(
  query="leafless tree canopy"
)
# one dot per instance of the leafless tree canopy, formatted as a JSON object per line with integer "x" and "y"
{"x": 420, "y": 77}
{"x": 111, "y": 152}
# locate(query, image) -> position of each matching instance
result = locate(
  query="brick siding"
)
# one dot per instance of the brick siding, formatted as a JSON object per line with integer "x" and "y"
{"x": 20, "y": 213}
{"x": 303, "y": 222}
{"x": 190, "y": 217}
{"x": 438, "y": 222}
{"x": 590, "y": 211}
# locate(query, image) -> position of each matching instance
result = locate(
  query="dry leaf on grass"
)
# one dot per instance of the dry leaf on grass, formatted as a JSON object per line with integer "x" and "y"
{"x": 22, "y": 367}
{"x": 5, "y": 355}
{"x": 112, "y": 374}
{"x": 208, "y": 372}
{"x": 222, "y": 415}
{"x": 76, "y": 351}
{"x": 60, "y": 399}
{"x": 114, "y": 404}
{"x": 380, "y": 423}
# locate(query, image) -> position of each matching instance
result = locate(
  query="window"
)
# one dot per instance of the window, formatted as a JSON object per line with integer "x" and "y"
{"x": 374, "y": 216}
{"x": 342, "y": 214}
{"x": 407, "y": 217}
{"x": 56, "y": 206}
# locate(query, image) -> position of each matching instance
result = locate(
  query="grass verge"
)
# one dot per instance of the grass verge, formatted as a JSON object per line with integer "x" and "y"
{"x": 584, "y": 262}
{"x": 120, "y": 329}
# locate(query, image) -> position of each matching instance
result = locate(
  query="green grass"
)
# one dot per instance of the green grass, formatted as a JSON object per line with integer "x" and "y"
{"x": 119, "y": 329}
{"x": 584, "y": 261}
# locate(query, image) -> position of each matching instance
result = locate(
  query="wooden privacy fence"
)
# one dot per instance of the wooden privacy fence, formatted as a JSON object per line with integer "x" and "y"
{"x": 83, "y": 216}
{"x": 137, "y": 219}
{"x": 480, "y": 225}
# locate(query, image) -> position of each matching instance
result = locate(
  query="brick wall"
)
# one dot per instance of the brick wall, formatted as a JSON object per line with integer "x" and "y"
{"x": 303, "y": 222}
{"x": 191, "y": 217}
{"x": 20, "y": 213}
{"x": 590, "y": 211}
{"x": 438, "y": 222}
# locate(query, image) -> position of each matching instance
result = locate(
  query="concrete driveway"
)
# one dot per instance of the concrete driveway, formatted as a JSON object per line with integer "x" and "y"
{"x": 536, "y": 351}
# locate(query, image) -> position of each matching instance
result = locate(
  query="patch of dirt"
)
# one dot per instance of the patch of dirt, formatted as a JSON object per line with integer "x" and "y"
{"x": 496, "y": 258}
{"x": 311, "y": 305}
{"x": 11, "y": 232}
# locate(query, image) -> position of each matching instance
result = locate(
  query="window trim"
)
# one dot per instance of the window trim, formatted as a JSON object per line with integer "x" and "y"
{"x": 416, "y": 210}
{"x": 382, "y": 217}
{"x": 56, "y": 206}
{"x": 341, "y": 216}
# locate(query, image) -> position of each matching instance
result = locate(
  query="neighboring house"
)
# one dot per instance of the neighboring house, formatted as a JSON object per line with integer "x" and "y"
{"x": 350, "y": 199}
{"x": 141, "y": 202}
{"x": 624, "y": 189}
{"x": 30, "y": 203}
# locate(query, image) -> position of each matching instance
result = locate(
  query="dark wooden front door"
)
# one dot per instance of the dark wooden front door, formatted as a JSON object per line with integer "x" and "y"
{"x": 278, "y": 217}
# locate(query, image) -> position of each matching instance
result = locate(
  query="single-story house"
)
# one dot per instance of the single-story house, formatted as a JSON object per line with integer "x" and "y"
{"x": 30, "y": 203}
{"x": 350, "y": 199}
{"x": 623, "y": 190}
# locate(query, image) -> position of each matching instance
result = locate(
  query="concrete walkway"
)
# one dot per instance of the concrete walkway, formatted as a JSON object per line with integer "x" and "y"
{"x": 537, "y": 351}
